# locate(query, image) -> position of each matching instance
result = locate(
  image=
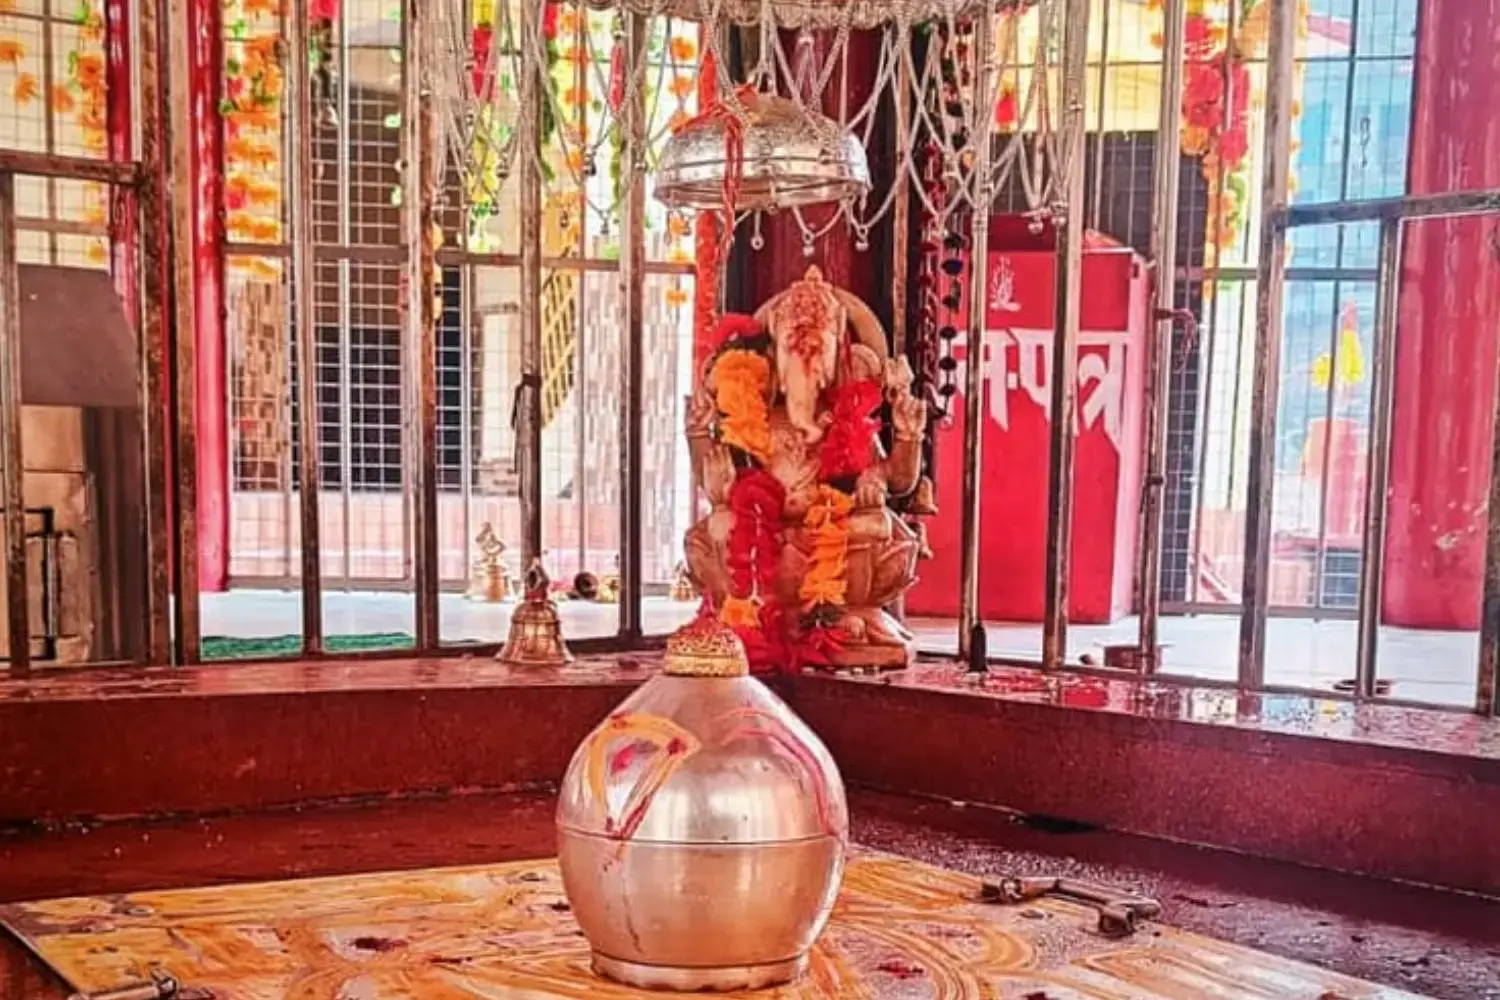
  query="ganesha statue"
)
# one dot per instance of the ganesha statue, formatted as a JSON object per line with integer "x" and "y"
{"x": 802, "y": 551}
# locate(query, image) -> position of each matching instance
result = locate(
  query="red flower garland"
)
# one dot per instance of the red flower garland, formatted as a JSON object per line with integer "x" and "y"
{"x": 753, "y": 550}
{"x": 849, "y": 442}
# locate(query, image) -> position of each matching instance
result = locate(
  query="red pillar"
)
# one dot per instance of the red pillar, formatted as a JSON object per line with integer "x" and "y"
{"x": 1448, "y": 335}
{"x": 212, "y": 396}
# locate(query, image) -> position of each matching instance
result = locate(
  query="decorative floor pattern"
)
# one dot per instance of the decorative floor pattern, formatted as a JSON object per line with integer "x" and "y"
{"x": 902, "y": 931}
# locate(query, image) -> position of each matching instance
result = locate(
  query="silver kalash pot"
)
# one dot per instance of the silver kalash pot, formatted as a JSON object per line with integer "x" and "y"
{"x": 702, "y": 828}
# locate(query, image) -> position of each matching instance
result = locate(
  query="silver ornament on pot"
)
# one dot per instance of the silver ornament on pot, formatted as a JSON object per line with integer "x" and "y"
{"x": 702, "y": 827}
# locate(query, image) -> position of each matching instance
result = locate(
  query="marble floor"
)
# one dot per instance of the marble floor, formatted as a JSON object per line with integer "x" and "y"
{"x": 1436, "y": 667}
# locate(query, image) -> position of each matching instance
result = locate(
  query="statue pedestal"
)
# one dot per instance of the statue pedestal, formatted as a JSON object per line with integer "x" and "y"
{"x": 1108, "y": 466}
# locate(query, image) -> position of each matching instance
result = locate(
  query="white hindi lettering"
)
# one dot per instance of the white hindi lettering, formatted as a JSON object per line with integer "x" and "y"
{"x": 1020, "y": 361}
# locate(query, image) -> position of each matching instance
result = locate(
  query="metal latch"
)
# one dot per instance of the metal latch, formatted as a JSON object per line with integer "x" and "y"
{"x": 1118, "y": 911}
{"x": 163, "y": 986}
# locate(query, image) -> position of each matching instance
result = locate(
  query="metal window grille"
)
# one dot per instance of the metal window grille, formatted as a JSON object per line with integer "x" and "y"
{"x": 361, "y": 386}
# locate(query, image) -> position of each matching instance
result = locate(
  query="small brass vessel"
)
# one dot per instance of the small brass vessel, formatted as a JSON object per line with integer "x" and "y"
{"x": 489, "y": 582}
{"x": 702, "y": 828}
{"x": 536, "y": 638}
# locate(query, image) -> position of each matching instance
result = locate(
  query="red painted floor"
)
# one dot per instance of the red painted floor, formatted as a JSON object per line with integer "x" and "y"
{"x": 1441, "y": 944}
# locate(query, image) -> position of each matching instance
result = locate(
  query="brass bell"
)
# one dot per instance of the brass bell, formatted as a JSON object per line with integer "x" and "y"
{"x": 683, "y": 589}
{"x": 489, "y": 581}
{"x": 535, "y": 629}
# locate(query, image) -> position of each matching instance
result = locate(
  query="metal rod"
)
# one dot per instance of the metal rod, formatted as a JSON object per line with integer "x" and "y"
{"x": 1270, "y": 288}
{"x": 1378, "y": 468}
{"x": 424, "y": 282}
{"x": 900, "y": 239}
{"x": 1325, "y": 464}
{"x": 304, "y": 324}
{"x": 1418, "y": 206}
{"x": 346, "y": 313}
{"x": 17, "y": 586}
{"x": 529, "y": 393}
{"x": 900, "y": 256}
{"x": 31, "y": 164}
{"x": 187, "y": 618}
{"x": 1068, "y": 318}
{"x": 155, "y": 289}
{"x": 1164, "y": 191}
{"x": 968, "y": 614}
{"x": 632, "y": 293}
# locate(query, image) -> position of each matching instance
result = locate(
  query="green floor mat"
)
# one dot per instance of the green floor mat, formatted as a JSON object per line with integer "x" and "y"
{"x": 223, "y": 647}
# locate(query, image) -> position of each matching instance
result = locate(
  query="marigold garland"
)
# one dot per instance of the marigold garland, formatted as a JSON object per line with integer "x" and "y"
{"x": 827, "y": 522}
{"x": 741, "y": 379}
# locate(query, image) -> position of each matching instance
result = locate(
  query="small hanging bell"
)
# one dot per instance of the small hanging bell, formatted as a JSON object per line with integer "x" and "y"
{"x": 535, "y": 629}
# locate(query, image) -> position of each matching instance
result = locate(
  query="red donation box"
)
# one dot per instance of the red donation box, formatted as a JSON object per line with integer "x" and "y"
{"x": 1017, "y": 359}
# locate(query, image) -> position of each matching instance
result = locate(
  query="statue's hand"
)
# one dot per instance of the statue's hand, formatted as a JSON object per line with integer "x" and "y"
{"x": 870, "y": 490}
{"x": 702, "y": 411}
{"x": 909, "y": 416}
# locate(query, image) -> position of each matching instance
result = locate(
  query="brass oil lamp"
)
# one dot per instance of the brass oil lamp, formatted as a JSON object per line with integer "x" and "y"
{"x": 702, "y": 827}
{"x": 536, "y": 638}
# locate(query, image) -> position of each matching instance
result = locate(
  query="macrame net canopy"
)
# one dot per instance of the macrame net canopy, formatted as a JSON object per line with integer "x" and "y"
{"x": 785, "y": 136}
{"x": 812, "y": 14}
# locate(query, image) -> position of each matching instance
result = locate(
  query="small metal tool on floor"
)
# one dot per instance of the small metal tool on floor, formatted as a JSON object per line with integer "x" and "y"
{"x": 162, "y": 986}
{"x": 1118, "y": 911}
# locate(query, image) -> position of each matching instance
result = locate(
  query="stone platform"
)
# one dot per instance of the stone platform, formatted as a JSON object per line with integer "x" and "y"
{"x": 901, "y": 929}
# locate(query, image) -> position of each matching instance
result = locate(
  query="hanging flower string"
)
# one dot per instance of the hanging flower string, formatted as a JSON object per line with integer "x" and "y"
{"x": 753, "y": 550}
{"x": 734, "y": 155}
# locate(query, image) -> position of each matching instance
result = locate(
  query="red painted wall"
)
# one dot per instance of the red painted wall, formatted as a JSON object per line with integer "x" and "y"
{"x": 1017, "y": 432}
{"x": 1448, "y": 330}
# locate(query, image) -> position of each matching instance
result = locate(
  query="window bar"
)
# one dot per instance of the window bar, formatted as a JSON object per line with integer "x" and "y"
{"x": 632, "y": 370}
{"x": 1105, "y": 8}
{"x": 1378, "y": 467}
{"x": 1266, "y": 377}
{"x": 1320, "y": 555}
{"x": 1067, "y": 313}
{"x": 299, "y": 88}
{"x": 1212, "y": 275}
{"x": 345, "y": 210}
{"x": 46, "y": 28}
{"x": 1166, "y": 184}
{"x": 1325, "y": 465}
{"x": 529, "y": 392}
{"x": 581, "y": 286}
{"x": 420, "y": 213}
{"x": 154, "y": 238}
{"x": 187, "y": 617}
{"x": 900, "y": 240}
{"x": 469, "y": 334}
{"x": 468, "y": 325}
{"x": 969, "y": 621}
{"x": 18, "y": 614}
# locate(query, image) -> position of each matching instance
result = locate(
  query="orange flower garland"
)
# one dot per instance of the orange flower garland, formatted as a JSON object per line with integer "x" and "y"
{"x": 741, "y": 379}
{"x": 827, "y": 522}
